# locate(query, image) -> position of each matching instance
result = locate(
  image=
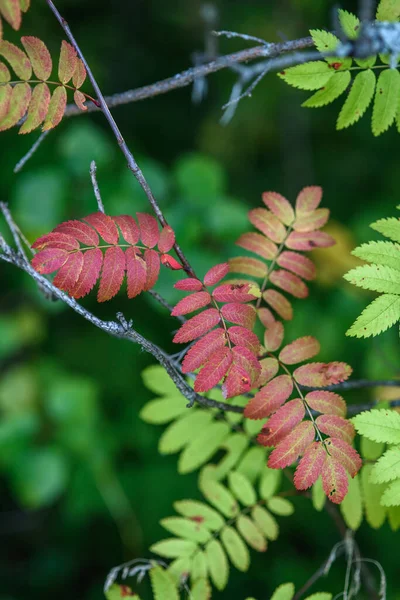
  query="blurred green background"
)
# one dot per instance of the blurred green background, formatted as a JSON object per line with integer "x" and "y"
{"x": 82, "y": 487}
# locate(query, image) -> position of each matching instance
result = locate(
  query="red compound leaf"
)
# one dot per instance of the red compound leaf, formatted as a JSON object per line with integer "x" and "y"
{"x": 297, "y": 263}
{"x": 312, "y": 221}
{"x": 49, "y": 260}
{"x": 281, "y": 423}
{"x": 318, "y": 374}
{"x": 269, "y": 398}
{"x": 191, "y": 303}
{"x": 248, "y": 266}
{"x": 273, "y": 336}
{"x": 167, "y": 239}
{"x": 197, "y": 326}
{"x": 258, "y": 244}
{"x": 245, "y": 358}
{"x": 326, "y": 402}
{"x": 200, "y": 352}
{"x": 215, "y": 274}
{"x": 82, "y": 232}
{"x": 240, "y": 336}
{"x": 241, "y": 314}
{"x": 149, "y": 232}
{"x": 214, "y": 370}
{"x": 152, "y": 260}
{"x": 189, "y": 285}
{"x": 112, "y": 273}
{"x": 334, "y": 480}
{"x": 128, "y": 227}
{"x": 336, "y": 427}
{"x": 235, "y": 292}
{"x": 279, "y": 303}
{"x": 266, "y": 222}
{"x": 298, "y": 240}
{"x": 308, "y": 200}
{"x": 237, "y": 382}
{"x": 289, "y": 282}
{"x": 310, "y": 466}
{"x": 92, "y": 263}
{"x": 68, "y": 274}
{"x": 269, "y": 368}
{"x": 345, "y": 454}
{"x": 279, "y": 206}
{"x": 292, "y": 446}
{"x": 300, "y": 350}
{"x": 105, "y": 226}
{"x": 136, "y": 271}
{"x": 56, "y": 240}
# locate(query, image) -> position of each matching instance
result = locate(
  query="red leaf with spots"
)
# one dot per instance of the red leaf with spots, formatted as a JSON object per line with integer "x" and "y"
{"x": 237, "y": 382}
{"x": 199, "y": 353}
{"x": 136, "y": 272}
{"x": 152, "y": 260}
{"x": 105, "y": 226}
{"x": 345, "y": 454}
{"x": 240, "y": 336}
{"x": 80, "y": 231}
{"x": 273, "y": 336}
{"x": 300, "y": 350}
{"x": 292, "y": 446}
{"x": 197, "y": 325}
{"x": 298, "y": 240}
{"x": 281, "y": 423}
{"x": 269, "y": 398}
{"x": 308, "y": 199}
{"x": 241, "y": 314}
{"x": 266, "y": 222}
{"x": 259, "y": 244}
{"x": 92, "y": 263}
{"x": 149, "y": 232}
{"x": 68, "y": 274}
{"x": 191, "y": 303}
{"x": 279, "y": 206}
{"x": 279, "y": 303}
{"x": 234, "y": 292}
{"x": 128, "y": 227}
{"x": 326, "y": 402}
{"x": 336, "y": 427}
{"x": 318, "y": 374}
{"x": 49, "y": 260}
{"x": 214, "y": 370}
{"x": 112, "y": 273}
{"x": 56, "y": 240}
{"x": 297, "y": 263}
{"x": 189, "y": 285}
{"x": 215, "y": 274}
{"x": 245, "y": 358}
{"x": 334, "y": 480}
{"x": 167, "y": 239}
{"x": 310, "y": 466}
{"x": 289, "y": 282}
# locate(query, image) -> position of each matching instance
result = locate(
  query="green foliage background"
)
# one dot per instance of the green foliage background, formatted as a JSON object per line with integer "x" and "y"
{"x": 78, "y": 469}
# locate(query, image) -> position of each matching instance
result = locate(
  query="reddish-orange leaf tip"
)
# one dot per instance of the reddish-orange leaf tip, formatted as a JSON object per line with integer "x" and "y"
{"x": 308, "y": 199}
{"x": 136, "y": 271}
{"x": 269, "y": 398}
{"x": 281, "y": 423}
{"x": 82, "y": 232}
{"x": 345, "y": 454}
{"x": 198, "y": 354}
{"x": 92, "y": 262}
{"x": 152, "y": 260}
{"x": 197, "y": 326}
{"x": 292, "y": 446}
{"x": 170, "y": 262}
{"x": 112, "y": 273}
{"x": 214, "y": 370}
{"x": 300, "y": 350}
{"x": 128, "y": 227}
{"x": 38, "y": 108}
{"x": 149, "y": 232}
{"x": 189, "y": 285}
{"x": 56, "y": 110}
{"x": 310, "y": 466}
{"x": 336, "y": 427}
{"x": 11, "y": 11}
{"x": 191, "y": 303}
{"x": 49, "y": 260}
{"x": 68, "y": 274}
{"x": 266, "y": 222}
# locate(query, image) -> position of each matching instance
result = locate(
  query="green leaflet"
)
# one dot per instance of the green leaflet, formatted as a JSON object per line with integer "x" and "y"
{"x": 220, "y": 497}
{"x": 386, "y": 100}
{"x": 376, "y": 278}
{"x": 318, "y": 495}
{"x": 389, "y": 227}
{"x": 265, "y": 522}
{"x": 394, "y": 517}
{"x": 270, "y": 482}
{"x": 280, "y": 506}
{"x": 372, "y": 493}
{"x": 332, "y": 90}
{"x": 181, "y": 432}
{"x": 351, "y": 507}
{"x": 217, "y": 563}
{"x": 379, "y": 425}
{"x": 320, "y": 596}
{"x": 199, "y": 566}
{"x": 351, "y": 28}
{"x": 388, "y": 10}
{"x": 283, "y": 592}
{"x": 187, "y": 529}
{"x": 252, "y": 462}
{"x": 163, "y": 585}
{"x": 391, "y": 496}
{"x": 201, "y": 590}
{"x": 119, "y": 592}
{"x": 380, "y": 253}
{"x": 234, "y": 447}
{"x": 388, "y": 466}
{"x": 371, "y": 450}
{"x": 156, "y": 379}
{"x": 198, "y": 511}
{"x": 251, "y": 533}
{"x": 179, "y": 567}
{"x": 324, "y": 41}
{"x": 358, "y": 99}
{"x": 308, "y": 76}
{"x": 163, "y": 410}
{"x": 203, "y": 446}
{"x": 235, "y": 548}
{"x": 241, "y": 487}
{"x": 379, "y": 315}
{"x": 174, "y": 547}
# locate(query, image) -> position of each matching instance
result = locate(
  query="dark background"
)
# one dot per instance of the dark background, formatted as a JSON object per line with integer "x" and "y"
{"x": 78, "y": 469}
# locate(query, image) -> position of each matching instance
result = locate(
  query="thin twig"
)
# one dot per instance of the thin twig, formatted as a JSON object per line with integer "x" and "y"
{"x": 242, "y": 36}
{"x": 96, "y": 189}
{"x": 21, "y": 163}
{"x": 15, "y": 230}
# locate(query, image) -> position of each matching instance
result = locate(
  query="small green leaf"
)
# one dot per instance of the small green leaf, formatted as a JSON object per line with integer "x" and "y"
{"x": 202, "y": 447}
{"x": 217, "y": 562}
{"x": 332, "y": 90}
{"x": 380, "y": 253}
{"x": 358, "y": 100}
{"x": 324, "y": 41}
{"x": 389, "y": 227}
{"x": 388, "y": 10}
{"x": 283, "y": 592}
{"x": 181, "y": 432}
{"x": 163, "y": 410}
{"x": 377, "y": 317}
{"x": 391, "y": 496}
{"x": 234, "y": 446}
{"x": 394, "y": 517}
{"x": 349, "y": 23}
{"x": 199, "y": 566}
{"x": 386, "y": 100}
{"x": 252, "y": 463}
{"x": 372, "y": 493}
{"x": 242, "y": 488}
{"x": 318, "y": 495}
{"x": 163, "y": 584}
{"x": 174, "y": 548}
{"x": 265, "y": 522}
{"x": 280, "y": 506}
{"x": 120, "y": 592}
{"x": 180, "y": 568}
{"x": 249, "y": 530}
{"x": 388, "y": 467}
{"x": 379, "y": 425}
{"x": 351, "y": 507}
{"x": 220, "y": 497}
{"x": 187, "y": 529}
{"x": 156, "y": 379}
{"x": 309, "y": 76}
{"x": 320, "y": 596}
{"x": 371, "y": 450}
{"x": 235, "y": 548}
{"x": 201, "y": 590}
{"x": 376, "y": 278}
{"x": 270, "y": 482}
{"x": 200, "y": 512}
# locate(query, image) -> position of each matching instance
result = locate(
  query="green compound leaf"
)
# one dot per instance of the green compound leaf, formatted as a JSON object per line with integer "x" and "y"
{"x": 241, "y": 487}
{"x": 265, "y": 522}
{"x": 179, "y": 568}
{"x": 174, "y": 548}
{"x": 379, "y": 425}
{"x": 201, "y": 513}
{"x": 252, "y": 463}
{"x": 217, "y": 563}
{"x": 376, "y": 278}
{"x": 358, "y": 99}
{"x": 249, "y": 530}
{"x": 309, "y": 76}
{"x": 220, "y": 497}
{"x": 380, "y": 253}
{"x": 234, "y": 446}
{"x": 378, "y": 316}
{"x": 391, "y": 496}
{"x": 389, "y": 227}
{"x": 351, "y": 28}
{"x": 236, "y": 548}
{"x": 336, "y": 86}
{"x": 163, "y": 585}
{"x": 375, "y": 513}
{"x": 283, "y": 592}
{"x": 388, "y": 10}
{"x": 351, "y": 507}
{"x": 388, "y": 467}
{"x": 203, "y": 446}
{"x": 187, "y": 529}
{"x": 386, "y": 100}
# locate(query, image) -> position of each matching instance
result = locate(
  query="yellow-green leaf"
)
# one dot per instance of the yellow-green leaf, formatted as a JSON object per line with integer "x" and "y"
{"x": 18, "y": 105}
{"x": 388, "y": 10}
{"x": 336, "y": 86}
{"x": 174, "y": 547}
{"x": 163, "y": 584}
{"x": 386, "y": 100}
{"x": 280, "y": 506}
{"x": 235, "y": 548}
{"x": 18, "y": 60}
{"x": 38, "y": 108}
{"x": 351, "y": 507}
{"x": 187, "y": 529}
{"x": 265, "y": 522}
{"x": 202, "y": 447}
{"x": 200, "y": 512}
{"x": 391, "y": 495}
{"x": 249, "y": 530}
{"x": 375, "y": 513}
{"x": 283, "y": 592}
{"x": 308, "y": 76}
{"x": 217, "y": 562}
{"x": 220, "y": 497}
{"x": 181, "y": 432}
{"x": 358, "y": 100}
{"x": 242, "y": 488}
{"x": 56, "y": 110}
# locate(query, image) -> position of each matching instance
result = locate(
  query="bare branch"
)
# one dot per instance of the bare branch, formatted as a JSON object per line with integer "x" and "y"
{"x": 96, "y": 190}
{"x": 21, "y": 163}
{"x": 15, "y": 230}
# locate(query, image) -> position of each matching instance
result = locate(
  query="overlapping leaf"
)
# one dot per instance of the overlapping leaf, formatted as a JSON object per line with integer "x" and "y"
{"x": 11, "y": 11}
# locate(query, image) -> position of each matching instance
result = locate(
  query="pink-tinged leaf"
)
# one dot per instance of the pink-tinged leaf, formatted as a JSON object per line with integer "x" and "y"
{"x": 5, "y": 100}
{"x": 56, "y": 240}
{"x": 92, "y": 263}
{"x": 279, "y": 303}
{"x": 199, "y": 353}
{"x": 241, "y": 314}
{"x": 189, "y": 285}
{"x": 304, "y": 241}
{"x": 282, "y": 423}
{"x": 279, "y": 206}
{"x": 18, "y": 105}
{"x": 149, "y": 232}
{"x": 5, "y": 75}
{"x": 167, "y": 239}
{"x": 308, "y": 199}
{"x": 327, "y": 403}
{"x": 82, "y": 232}
{"x": 289, "y": 282}
{"x": 248, "y": 266}
{"x": 79, "y": 75}
{"x": 152, "y": 260}
{"x": 136, "y": 272}
{"x": 56, "y": 110}
{"x": 336, "y": 427}
{"x": 24, "y": 5}
{"x": 112, "y": 274}
{"x": 334, "y": 480}
{"x": 310, "y": 466}
{"x": 197, "y": 325}
{"x": 191, "y": 303}
{"x": 170, "y": 262}
{"x": 266, "y": 222}
{"x": 300, "y": 350}
{"x": 68, "y": 275}
{"x": 11, "y": 11}
{"x": 298, "y": 264}
{"x": 20, "y": 63}
{"x": 235, "y": 292}
{"x": 39, "y": 56}
{"x": 345, "y": 454}
{"x": 105, "y": 227}
{"x": 67, "y": 62}
{"x": 215, "y": 274}
{"x": 266, "y": 317}
{"x": 259, "y": 244}
{"x": 248, "y": 361}
{"x": 312, "y": 221}
{"x": 269, "y": 398}
{"x": 237, "y": 382}
{"x": 273, "y": 336}
{"x": 322, "y": 374}
{"x": 240, "y": 336}
{"x": 80, "y": 100}
{"x": 214, "y": 370}
{"x": 38, "y": 108}
{"x": 49, "y": 260}
{"x": 269, "y": 368}
{"x": 290, "y": 448}
{"x": 128, "y": 227}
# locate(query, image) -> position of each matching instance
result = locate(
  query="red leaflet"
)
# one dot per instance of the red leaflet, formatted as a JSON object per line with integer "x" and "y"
{"x": 294, "y": 444}
{"x": 235, "y": 292}
{"x": 242, "y": 314}
{"x": 336, "y": 427}
{"x": 67, "y": 62}
{"x": 167, "y": 239}
{"x": 79, "y": 75}
{"x": 273, "y": 336}
{"x": 345, "y": 454}
{"x": 136, "y": 271}
{"x": 214, "y": 370}
{"x": 49, "y": 260}
{"x": 266, "y": 317}
{"x": 259, "y": 244}
{"x": 39, "y": 56}
{"x": 289, "y": 282}
{"x": 269, "y": 368}
{"x": 310, "y": 466}
{"x": 240, "y": 336}
{"x": 215, "y": 274}
{"x": 170, "y": 262}
{"x": 82, "y": 232}
{"x": 197, "y": 325}
{"x": 281, "y": 423}
{"x": 189, "y": 285}
{"x": 191, "y": 303}
{"x": 279, "y": 206}
{"x": 198, "y": 354}
{"x": 279, "y": 303}
{"x": 298, "y": 264}
{"x": 56, "y": 240}
{"x": 237, "y": 382}
{"x": 68, "y": 275}
{"x": 248, "y": 266}
{"x": 152, "y": 260}
{"x": 245, "y": 358}
{"x": 92, "y": 262}
{"x": 334, "y": 480}
{"x": 269, "y": 398}
{"x": 300, "y": 350}
{"x": 322, "y": 374}
{"x": 312, "y": 221}
{"x": 266, "y": 222}
{"x": 105, "y": 226}
{"x": 298, "y": 240}
{"x": 80, "y": 99}
{"x": 148, "y": 229}
{"x": 112, "y": 274}
{"x": 327, "y": 403}
{"x": 308, "y": 199}
{"x": 128, "y": 227}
